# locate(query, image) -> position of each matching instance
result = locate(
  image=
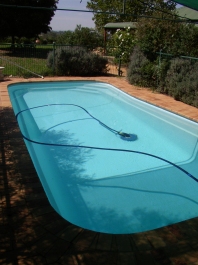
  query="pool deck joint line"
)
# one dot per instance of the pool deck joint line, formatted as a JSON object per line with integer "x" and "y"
{"x": 33, "y": 233}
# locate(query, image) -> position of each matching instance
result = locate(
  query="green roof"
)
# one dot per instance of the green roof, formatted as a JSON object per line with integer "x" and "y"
{"x": 188, "y": 13}
{"x": 120, "y": 25}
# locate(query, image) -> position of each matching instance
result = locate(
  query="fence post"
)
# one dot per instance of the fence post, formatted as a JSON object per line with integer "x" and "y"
{"x": 160, "y": 58}
{"x": 159, "y": 67}
{"x": 54, "y": 48}
{"x": 119, "y": 66}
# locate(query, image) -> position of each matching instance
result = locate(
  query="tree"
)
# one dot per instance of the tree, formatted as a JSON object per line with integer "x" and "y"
{"x": 125, "y": 10}
{"x": 168, "y": 35}
{"x": 81, "y": 36}
{"x": 25, "y": 18}
{"x": 65, "y": 38}
{"x": 49, "y": 37}
{"x": 87, "y": 37}
{"x": 157, "y": 34}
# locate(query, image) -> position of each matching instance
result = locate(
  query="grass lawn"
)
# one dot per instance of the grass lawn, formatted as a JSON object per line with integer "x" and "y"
{"x": 23, "y": 61}
{"x": 24, "y": 66}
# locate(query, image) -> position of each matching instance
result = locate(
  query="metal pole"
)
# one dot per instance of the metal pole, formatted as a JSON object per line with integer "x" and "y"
{"x": 119, "y": 66}
{"x": 159, "y": 67}
{"x": 54, "y": 48}
{"x": 124, "y": 6}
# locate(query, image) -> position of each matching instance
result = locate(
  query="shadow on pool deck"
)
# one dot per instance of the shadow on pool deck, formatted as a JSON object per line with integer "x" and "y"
{"x": 33, "y": 233}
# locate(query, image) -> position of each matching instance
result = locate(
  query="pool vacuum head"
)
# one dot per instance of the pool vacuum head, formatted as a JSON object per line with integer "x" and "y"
{"x": 127, "y": 136}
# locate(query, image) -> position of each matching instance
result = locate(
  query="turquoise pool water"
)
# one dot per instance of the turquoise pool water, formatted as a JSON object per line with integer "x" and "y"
{"x": 97, "y": 179}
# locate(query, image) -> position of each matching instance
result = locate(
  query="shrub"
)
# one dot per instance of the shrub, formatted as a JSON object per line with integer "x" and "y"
{"x": 161, "y": 73}
{"x": 140, "y": 70}
{"x": 123, "y": 42}
{"x": 77, "y": 61}
{"x": 181, "y": 81}
{"x": 176, "y": 77}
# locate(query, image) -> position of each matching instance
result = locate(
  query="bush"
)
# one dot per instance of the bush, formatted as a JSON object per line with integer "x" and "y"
{"x": 161, "y": 74}
{"x": 153, "y": 35}
{"x": 181, "y": 81}
{"x": 71, "y": 62}
{"x": 140, "y": 70}
{"x": 176, "y": 77}
{"x": 123, "y": 42}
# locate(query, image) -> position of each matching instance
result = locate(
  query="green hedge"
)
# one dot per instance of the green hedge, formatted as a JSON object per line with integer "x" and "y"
{"x": 182, "y": 81}
{"x": 177, "y": 77}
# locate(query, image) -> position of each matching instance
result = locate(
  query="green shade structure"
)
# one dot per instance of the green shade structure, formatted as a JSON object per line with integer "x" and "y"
{"x": 188, "y": 13}
{"x": 189, "y": 3}
{"x": 121, "y": 25}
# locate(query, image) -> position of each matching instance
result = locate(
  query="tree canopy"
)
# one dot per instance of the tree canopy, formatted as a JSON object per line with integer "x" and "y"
{"x": 25, "y": 18}
{"x": 82, "y": 36}
{"x": 126, "y": 10}
{"x": 169, "y": 36}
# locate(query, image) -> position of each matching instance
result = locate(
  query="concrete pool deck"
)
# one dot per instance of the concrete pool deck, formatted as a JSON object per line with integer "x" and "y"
{"x": 33, "y": 233}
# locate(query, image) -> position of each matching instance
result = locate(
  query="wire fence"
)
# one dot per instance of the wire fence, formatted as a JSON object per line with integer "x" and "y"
{"x": 29, "y": 60}
{"x": 21, "y": 60}
{"x": 169, "y": 56}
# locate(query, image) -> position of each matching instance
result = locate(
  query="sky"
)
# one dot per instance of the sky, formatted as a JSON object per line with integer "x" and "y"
{"x": 67, "y": 20}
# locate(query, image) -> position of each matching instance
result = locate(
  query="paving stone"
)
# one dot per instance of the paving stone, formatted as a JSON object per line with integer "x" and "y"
{"x": 56, "y": 226}
{"x": 189, "y": 258}
{"x": 167, "y": 235}
{"x": 104, "y": 242}
{"x": 145, "y": 257}
{"x": 44, "y": 243}
{"x": 155, "y": 240}
{"x": 70, "y": 232}
{"x": 128, "y": 258}
{"x": 48, "y": 217}
{"x": 36, "y": 196}
{"x": 98, "y": 258}
{"x": 35, "y": 260}
{"x": 84, "y": 240}
{"x": 57, "y": 251}
{"x": 43, "y": 209}
{"x": 141, "y": 242}
{"x": 123, "y": 243}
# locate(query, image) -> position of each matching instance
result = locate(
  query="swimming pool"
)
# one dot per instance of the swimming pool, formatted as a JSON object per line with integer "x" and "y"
{"x": 92, "y": 174}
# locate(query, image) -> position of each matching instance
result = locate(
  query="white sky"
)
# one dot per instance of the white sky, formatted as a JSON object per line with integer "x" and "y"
{"x": 67, "y": 20}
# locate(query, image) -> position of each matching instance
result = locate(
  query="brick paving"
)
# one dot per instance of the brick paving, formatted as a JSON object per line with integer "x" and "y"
{"x": 33, "y": 233}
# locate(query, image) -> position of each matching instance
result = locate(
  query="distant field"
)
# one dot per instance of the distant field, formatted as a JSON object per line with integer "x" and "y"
{"x": 21, "y": 61}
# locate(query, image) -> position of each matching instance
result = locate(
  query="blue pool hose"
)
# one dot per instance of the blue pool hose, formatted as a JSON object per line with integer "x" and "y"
{"x": 121, "y": 134}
